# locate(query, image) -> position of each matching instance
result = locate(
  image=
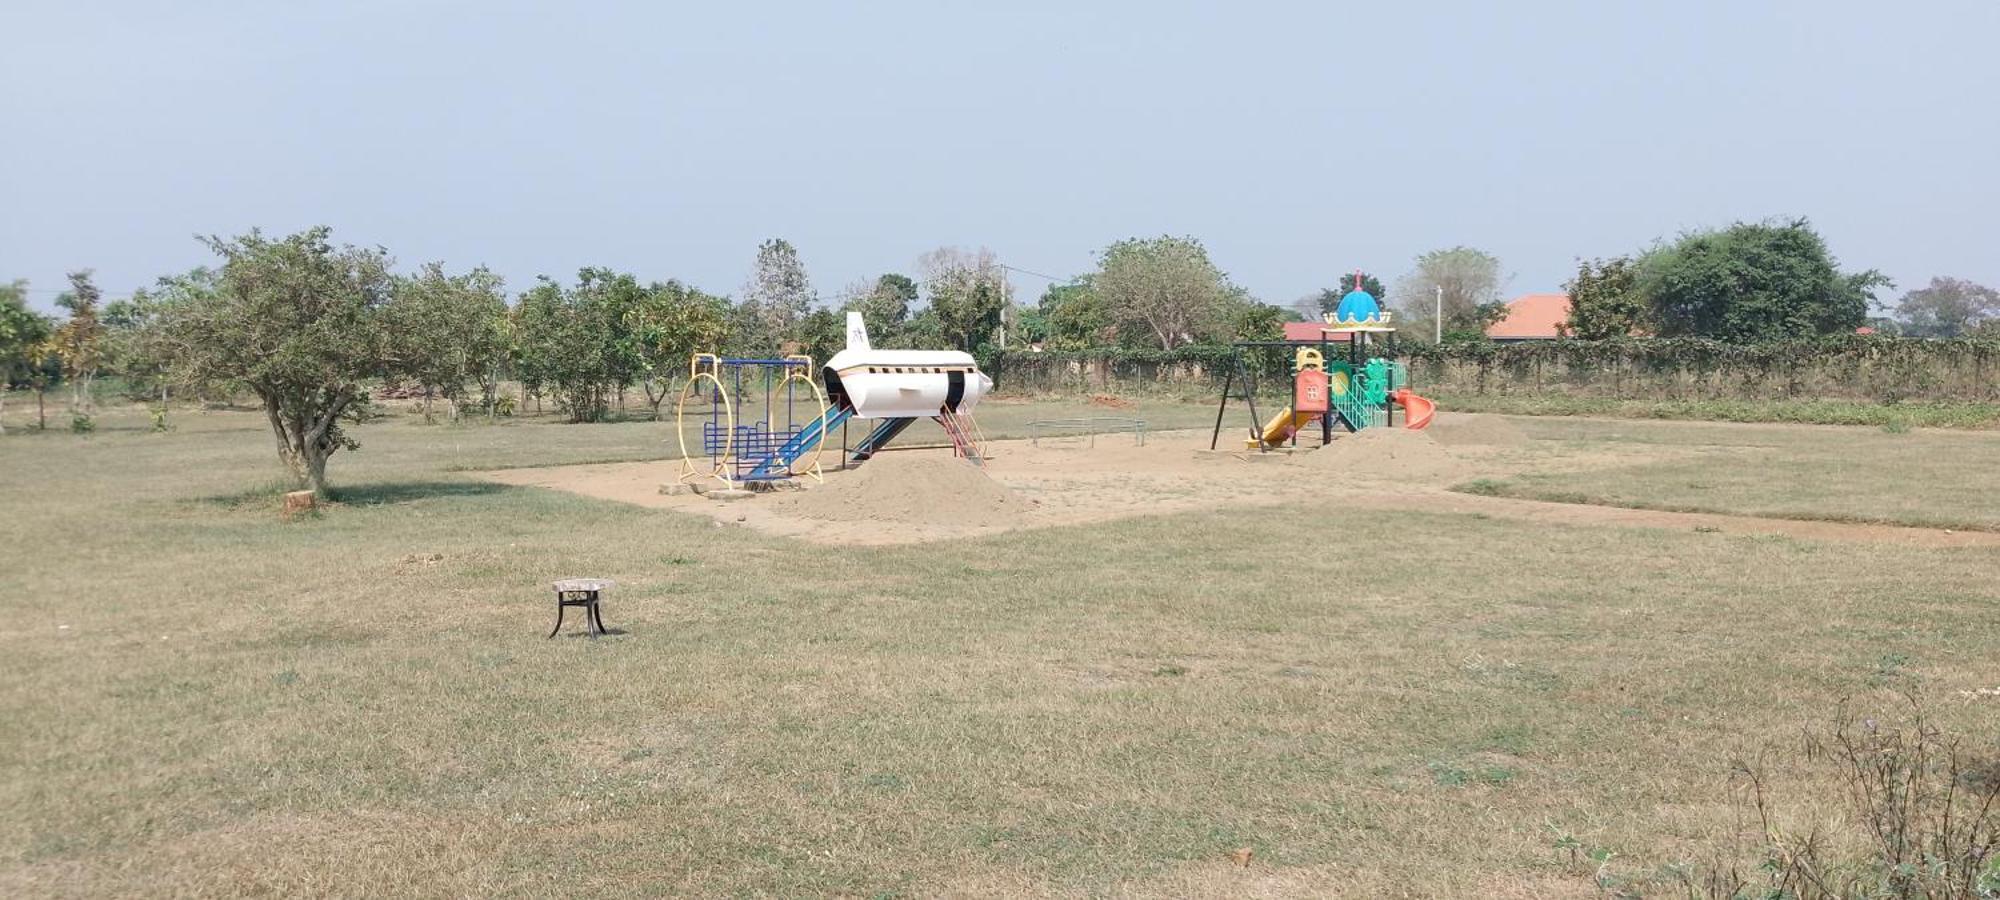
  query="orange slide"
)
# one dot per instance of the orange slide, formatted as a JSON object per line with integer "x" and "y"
{"x": 1417, "y": 411}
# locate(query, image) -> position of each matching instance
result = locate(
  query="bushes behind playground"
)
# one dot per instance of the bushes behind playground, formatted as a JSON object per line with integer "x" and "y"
{"x": 1859, "y": 380}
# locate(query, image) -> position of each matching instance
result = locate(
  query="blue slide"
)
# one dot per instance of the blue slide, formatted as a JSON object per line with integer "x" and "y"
{"x": 880, "y": 437}
{"x": 777, "y": 464}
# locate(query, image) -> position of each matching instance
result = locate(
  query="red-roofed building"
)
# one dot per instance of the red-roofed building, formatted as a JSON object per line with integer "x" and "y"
{"x": 1310, "y": 331}
{"x": 1532, "y": 317}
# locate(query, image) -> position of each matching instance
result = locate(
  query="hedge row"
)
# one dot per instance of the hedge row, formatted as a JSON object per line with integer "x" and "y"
{"x": 1849, "y": 367}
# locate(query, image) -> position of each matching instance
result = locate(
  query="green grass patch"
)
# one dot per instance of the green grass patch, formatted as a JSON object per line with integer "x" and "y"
{"x": 1895, "y": 417}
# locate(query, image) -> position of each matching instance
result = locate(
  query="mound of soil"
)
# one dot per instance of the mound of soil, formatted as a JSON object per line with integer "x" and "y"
{"x": 897, "y": 487}
{"x": 1455, "y": 429}
{"x": 1109, "y": 402}
{"x": 1396, "y": 454}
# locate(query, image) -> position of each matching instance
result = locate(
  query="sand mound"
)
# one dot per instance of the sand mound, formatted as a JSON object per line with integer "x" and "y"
{"x": 1455, "y": 429}
{"x": 897, "y": 487}
{"x": 1390, "y": 453}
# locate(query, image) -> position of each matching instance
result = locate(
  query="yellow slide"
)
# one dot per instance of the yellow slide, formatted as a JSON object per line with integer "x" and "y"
{"x": 1282, "y": 426}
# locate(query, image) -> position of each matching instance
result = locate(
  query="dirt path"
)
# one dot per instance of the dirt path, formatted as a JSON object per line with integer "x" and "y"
{"x": 906, "y": 497}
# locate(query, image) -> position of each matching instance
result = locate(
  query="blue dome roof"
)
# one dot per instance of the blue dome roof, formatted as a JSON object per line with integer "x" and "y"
{"x": 1357, "y": 306}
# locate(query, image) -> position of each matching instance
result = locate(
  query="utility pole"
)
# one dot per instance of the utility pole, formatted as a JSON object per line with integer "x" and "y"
{"x": 1437, "y": 326}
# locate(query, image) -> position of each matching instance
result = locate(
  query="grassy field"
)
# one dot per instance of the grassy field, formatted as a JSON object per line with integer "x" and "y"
{"x": 1800, "y": 412}
{"x": 1936, "y": 478}
{"x": 200, "y": 698}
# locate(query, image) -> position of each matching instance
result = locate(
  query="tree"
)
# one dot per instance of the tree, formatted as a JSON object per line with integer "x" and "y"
{"x": 884, "y": 304}
{"x": 1754, "y": 282}
{"x": 1470, "y": 280}
{"x": 1164, "y": 288}
{"x": 299, "y": 322}
{"x": 135, "y": 342}
{"x": 23, "y": 332}
{"x": 1604, "y": 300}
{"x": 1255, "y": 321}
{"x": 776, "y": 298}
{"x": 822, "y": 333}
{"x": 1329, "y": 299}
{"x": 1948, "y": 307}
{"x": 968, "y": 294}
{"x": 670, "y": 323}
{"x": 566, "y": 345}
{"x": 79, "y": 341}
{"x": 454, "y": 332}
{"x": 1075, "y": 315}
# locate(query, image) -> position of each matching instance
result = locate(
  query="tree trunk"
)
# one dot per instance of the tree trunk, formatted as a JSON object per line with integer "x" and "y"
{"x": 428, "y": 420}
{"x": 303, "y": 444}
{"x": 163, "y": 406}
{"x": 41, "y": 409}
{"x": 3, "y": 408}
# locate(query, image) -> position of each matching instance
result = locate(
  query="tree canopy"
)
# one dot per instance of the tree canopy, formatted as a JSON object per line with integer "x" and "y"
{"x": 1163, "y": 290}
{"x": 298, "y": 322}
{"x": 967, "y": 290}
{"x": 1470, "y": 282}
{"x": 1949, "y": 307}
{"x": 1328, "y": 299}
{"x": 23, "y": 332}
{"x": 1754, "y": 282}
{"x": 1605, "y": 301}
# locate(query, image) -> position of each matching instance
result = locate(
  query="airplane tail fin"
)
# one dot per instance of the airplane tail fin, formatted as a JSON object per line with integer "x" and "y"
{"x": 857, "y": 331}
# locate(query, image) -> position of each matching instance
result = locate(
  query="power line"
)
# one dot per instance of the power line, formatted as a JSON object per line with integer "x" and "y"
{"x": 1036, "y": 274}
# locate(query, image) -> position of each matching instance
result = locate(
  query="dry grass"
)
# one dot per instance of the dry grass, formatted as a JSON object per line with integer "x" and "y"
{"x": 362, "y": 703}
{"x": 1849, "y": 474}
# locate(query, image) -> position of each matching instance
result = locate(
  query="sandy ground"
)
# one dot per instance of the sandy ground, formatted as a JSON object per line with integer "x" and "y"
{"x": 923, "y": 495}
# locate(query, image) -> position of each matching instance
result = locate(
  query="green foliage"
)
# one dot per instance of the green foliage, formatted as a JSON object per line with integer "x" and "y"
{"x": 778, "y": 296}
{"x": 885, "y": 305}
{"x": 79, "y": 341}
{"x": 1328, "y": 299}
{"x": 1163, "y": 291}
{"x": 1754, "y": 282}
{"x": 568, "y": 345}
{"x": 1948, "y": 308}
{"x": 80, "y": 423}
{"x": 1605, "y": 301}
{"x": 821, "y": 334}
{"x": 300, "y": 323}
{"x": 22, "y": 331}
{"x": 1470, "y": 280}
{"x": 665, "y": 325}
{"x": 451, "y": 331}
{"x": 968, "y": 294}
{"x": 1075, "y": 316}
{"x": 1258, "y": 322}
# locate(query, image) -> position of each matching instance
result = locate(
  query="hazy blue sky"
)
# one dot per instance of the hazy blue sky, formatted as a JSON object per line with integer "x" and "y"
{"x": 1297, "y": 140}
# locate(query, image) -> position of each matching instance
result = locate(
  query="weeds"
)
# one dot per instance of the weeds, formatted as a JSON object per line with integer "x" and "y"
{"x": 1919, "y": 820}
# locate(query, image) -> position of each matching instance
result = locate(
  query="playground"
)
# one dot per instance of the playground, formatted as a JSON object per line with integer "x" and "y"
{"x": 1376, "y": 684}
{"x": 1321, "y": 635}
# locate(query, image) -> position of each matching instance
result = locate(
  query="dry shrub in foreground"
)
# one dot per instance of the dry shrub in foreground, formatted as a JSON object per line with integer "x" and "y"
{"x": 1915, "y": 813}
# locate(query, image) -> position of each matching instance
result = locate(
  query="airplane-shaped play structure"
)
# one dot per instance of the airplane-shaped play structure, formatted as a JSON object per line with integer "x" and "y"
{"x": 892, "y": 388}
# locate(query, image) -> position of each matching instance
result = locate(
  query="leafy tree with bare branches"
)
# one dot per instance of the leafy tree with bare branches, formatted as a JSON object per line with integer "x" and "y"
{"x": 1164, "y": 288}
{"x": 968, "y": 294}
{"x": 1470, "y": 280}
{"x": 79, "y": 341}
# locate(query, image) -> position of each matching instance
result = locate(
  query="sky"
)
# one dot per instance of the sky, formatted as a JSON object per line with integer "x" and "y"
{"x": 1296, "y": 140}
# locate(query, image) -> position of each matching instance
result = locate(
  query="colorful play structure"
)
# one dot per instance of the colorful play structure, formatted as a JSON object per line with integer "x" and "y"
{"x": 894, "y": 388}
{"x": 1362, "y": 391}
